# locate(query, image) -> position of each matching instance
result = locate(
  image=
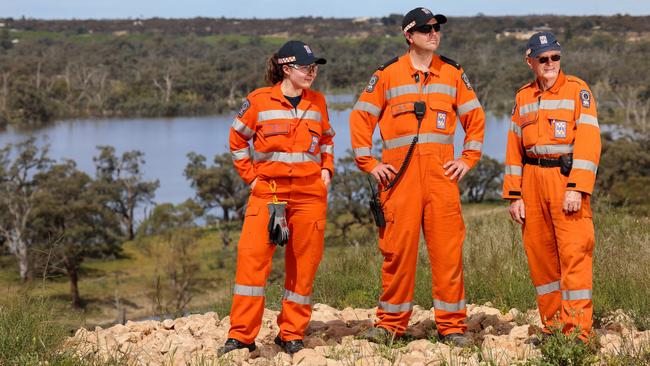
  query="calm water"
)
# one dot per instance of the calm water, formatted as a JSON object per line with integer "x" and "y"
{"x": 166, "y": 142}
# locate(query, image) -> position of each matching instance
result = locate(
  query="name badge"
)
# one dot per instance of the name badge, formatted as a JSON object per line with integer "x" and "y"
{"x": 560, "y": 129}
{"x": 441, "y": 121}
{"x": 314, "y": 143}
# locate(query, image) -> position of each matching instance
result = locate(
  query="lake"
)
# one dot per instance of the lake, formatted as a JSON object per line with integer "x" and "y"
{"x": 166, "y": 142}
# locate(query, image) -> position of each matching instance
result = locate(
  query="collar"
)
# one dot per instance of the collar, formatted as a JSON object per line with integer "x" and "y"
{"x": 561, "y": 80}
{"x": 276, "y": 93}
{"x": 434, "y": 67}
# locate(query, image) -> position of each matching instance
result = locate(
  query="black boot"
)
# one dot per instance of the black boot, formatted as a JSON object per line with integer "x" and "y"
{"x": 233, "y": 344}
{"x": 290, "y": 347}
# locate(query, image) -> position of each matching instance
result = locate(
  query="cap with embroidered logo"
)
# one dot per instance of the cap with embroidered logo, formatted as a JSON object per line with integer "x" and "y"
{"x": 419, "y": 17}
{"x": 296, "y": 52}
{"x": 541, "y": 42}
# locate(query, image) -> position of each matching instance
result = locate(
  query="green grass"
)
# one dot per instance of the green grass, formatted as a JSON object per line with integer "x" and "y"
{"x": 349, "y": 275}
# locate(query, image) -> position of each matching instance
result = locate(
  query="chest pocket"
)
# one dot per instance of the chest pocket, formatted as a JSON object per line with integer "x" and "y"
{"x": 441, "y": 117}
{"x": 274, "y": 136}
{"x": 560, "y": 126}
{"x": 529, "y": 129}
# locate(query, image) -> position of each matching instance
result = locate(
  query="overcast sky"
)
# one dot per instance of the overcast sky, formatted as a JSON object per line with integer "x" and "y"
{"x": 98, "y": 9}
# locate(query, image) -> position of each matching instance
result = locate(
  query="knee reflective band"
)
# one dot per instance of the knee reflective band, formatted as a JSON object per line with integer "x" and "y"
{"x": 298, "y": 299}
{"x": 569, "y": 295}
{"x": 548, "y": 288}
{"x": 395, "y": 308}
{"x": 446, "y": 306}
{"x": 244, "y": 290}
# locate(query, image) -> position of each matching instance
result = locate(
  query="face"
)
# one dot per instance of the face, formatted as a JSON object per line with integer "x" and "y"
{"x": 425, "y": 41}
{"x": 547, "y": 70}
{"x": 300, "y": 76}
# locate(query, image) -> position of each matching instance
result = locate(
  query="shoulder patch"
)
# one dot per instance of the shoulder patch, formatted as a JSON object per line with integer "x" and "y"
{"x": 244, "y": 107}
{"x": 585, "y": 98}
{"x": 466, "y": 81}
{"x": 450, "y": 61}
{"x": 388, "y": 63}
{"x": 372, "y": 83}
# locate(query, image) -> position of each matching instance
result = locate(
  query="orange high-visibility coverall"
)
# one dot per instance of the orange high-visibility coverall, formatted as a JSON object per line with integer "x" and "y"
{"x": 423, "y": 197}
{"x": 559, "y": 246}
{"x": 290, "y": 147}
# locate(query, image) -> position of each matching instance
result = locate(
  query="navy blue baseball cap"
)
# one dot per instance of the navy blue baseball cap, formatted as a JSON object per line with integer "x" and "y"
{"x": 541, "y": 42}
{"x": 419, "y": 17}
{"x": 296, "y": 52}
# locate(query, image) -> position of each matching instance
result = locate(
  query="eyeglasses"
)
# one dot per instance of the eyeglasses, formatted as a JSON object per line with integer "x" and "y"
{"x": 544, "y": 59}
{"x": 308, "y": 69}
{"x": 427, "y": 28}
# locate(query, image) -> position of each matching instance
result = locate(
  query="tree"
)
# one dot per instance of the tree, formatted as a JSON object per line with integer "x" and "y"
{"x": 18, "y": 191}
{"x": 72, "y": 223}
{"x": 171, "y": 240}
{"x": 217, "y": 186}
{"x": 121, "y": 180}
{"x": 484, "y": 180}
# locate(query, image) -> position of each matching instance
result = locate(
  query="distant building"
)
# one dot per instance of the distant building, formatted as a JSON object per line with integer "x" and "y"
{"x": 121, "y": 33}
{"x": 2, "y": 25}
{"x": 522, "y": 34}
{"x": 361, "y": 20}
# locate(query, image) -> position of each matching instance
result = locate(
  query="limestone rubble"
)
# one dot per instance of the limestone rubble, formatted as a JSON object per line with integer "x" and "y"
{"x": 330, "y": 340}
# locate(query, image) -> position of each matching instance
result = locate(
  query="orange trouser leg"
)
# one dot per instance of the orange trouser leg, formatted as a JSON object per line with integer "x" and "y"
{"x": 570, "y": 250}
{"x": 306, "y": 208}
{"x": 541, "y": 248}
{"x": 398, "y": 243}
{"x": 444, "y": 231}
{"x": 302, "y": 257}
{"x": 575, "y": 240}
{"x": 254, "y": 255}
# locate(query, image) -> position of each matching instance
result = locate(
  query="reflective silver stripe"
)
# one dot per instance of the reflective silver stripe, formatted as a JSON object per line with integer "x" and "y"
{"x": 423, "y": 139}
{"x": 402, "y": 90}
{"x": 362, "y": 151}
{"x": 473, "y": 145}
{"x": 441, "y": 89}
{"x": 240, "y": 127}
{"x": 241, "y": 154}
{"x": 550, "y": 149}
{"x": 367, "y": 107}
{"x": 313, "y": 115}
{"x": 448, "y": 306}
{"x": 288, "y": 114}
{"x": 244, "y": 290}
{"x": 329, "y": 149}
{"x": 329, "y": 132}
{"x": 528, "y": 108}
{"x": 286, "y": 157}
{"x": 513, "y": 170}
{"x": 515, "y": 128}
{"x": 298, "y": 299}
{"x": 588, "y": 119}
{"x": 557, "y": 104}
{"x": 399, "y": 308}
{"x": 275, "y": 114}
{"x": 568, "y": 295}
{"x": 547, "y": 288}
{"x": 585, "y": 164}
{"x": 469, "y": 106}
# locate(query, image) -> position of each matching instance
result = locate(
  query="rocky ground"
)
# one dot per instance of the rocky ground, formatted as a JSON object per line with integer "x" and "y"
{"x": 330, "y": 340}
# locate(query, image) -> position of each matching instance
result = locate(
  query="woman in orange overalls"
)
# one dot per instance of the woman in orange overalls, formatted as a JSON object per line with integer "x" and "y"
{"x": 288, "y": 168}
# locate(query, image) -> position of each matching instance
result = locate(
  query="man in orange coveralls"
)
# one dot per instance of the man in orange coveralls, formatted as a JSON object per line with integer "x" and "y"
{"x": 551, "y": 162}
{"x": 288, "y": 168}
{"x": 426, "y": 195}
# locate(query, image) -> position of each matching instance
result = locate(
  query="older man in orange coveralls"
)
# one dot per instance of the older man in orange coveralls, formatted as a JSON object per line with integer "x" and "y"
{"x": 551, "y": 162}
{"x": 426, "y": 195}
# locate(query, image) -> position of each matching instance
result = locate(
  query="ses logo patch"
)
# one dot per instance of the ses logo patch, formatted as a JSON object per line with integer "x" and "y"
{"x": 560, "y": 129}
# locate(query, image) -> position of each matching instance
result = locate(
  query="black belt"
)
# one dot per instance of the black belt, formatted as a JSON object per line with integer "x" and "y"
{"x": 545, "y": 163}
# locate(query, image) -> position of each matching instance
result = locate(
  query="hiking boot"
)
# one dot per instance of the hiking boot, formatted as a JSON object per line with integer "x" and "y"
{"x": 376, "y": 335}
{"x": 456, "y": 339}
{"x": 233, "y": 344}
{"x": 289, "y": 347}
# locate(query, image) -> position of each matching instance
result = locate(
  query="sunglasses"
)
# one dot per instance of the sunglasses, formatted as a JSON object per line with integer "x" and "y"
{"x": 427, "y": 28}
{"x": 543, "y": 60}
{"x": 305, "y": 69}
